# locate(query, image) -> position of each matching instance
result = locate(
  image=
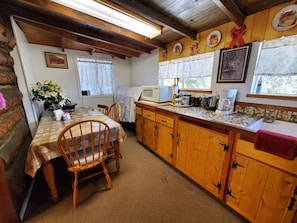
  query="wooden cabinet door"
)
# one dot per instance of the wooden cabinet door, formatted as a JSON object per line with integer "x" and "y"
{"x": 261, "y": 193}
{"x": 149, "y": 133}
{"x": 164, "y": 142}
{"x": 278, "y": 203}
{"x": 149, "y": 129}
{"x": 165, "y": 125}
{"x": 139, "y": 127}
{"x": 201, "y": 155}
{"x": 246, "y": 186}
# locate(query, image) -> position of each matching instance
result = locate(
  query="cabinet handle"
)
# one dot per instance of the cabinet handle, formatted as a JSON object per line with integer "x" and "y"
{"x": 235, "y": 164}
{"x": 163, "y": 120}
{"x": 229, "y": 192}
{"x": 291, "y": 205}
{"x": 218, "y": 185}
{"x": 225, "y": 146}
{"x": 178, "y": 137}
{"x": 295, "y": 191}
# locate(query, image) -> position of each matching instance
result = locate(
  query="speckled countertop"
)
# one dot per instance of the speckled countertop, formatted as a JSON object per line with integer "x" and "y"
{"x": 235, "y": 119}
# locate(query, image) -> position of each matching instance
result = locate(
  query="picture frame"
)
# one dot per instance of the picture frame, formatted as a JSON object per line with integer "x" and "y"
{"x": 56, "y": 60}
{"x": 233, "y": 64}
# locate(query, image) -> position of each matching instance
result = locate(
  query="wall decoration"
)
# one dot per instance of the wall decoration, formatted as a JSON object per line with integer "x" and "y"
{"x": 213, "y": 38}
{"x": 236, "y": 35}
{"x": 285, "y": 19}
{"x": 194, "y": 49}
{"x": 56, "y": 60}
{"x": 233, "y": 64}
{"x": 177, "y": 49}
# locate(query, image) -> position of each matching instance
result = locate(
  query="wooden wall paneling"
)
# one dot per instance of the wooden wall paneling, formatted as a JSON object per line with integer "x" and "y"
{"x": 258, "y": 33}
{"x": 249, "y": 28}
{"x": 259, "y": 28}
{"x": 202, "y": 48}
{"x": 270, "y": 32}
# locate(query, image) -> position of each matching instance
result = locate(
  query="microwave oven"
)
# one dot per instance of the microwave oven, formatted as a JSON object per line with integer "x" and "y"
{"x": 156, "y": 93}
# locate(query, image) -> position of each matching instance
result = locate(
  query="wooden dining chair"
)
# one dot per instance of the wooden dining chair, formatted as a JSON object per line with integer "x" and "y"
{"x": 103, "y": 109}
{"x": 83, "y": 145}
{"x": 114, "y": 112}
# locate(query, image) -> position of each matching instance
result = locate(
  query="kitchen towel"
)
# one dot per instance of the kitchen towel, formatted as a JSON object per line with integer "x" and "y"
{"x": 275, "y": 143}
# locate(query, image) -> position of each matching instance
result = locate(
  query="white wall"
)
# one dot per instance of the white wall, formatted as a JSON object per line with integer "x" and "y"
{"x": 144, "y": 70}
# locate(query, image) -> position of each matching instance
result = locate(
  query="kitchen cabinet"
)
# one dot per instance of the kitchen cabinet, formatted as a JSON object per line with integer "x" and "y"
{"x": 149, "y": 129}
{"x": 203, "y": 155}
{"x": 139, "y": 124}
{"x": 259, "y": 191}
{"x": 164, "y": 132}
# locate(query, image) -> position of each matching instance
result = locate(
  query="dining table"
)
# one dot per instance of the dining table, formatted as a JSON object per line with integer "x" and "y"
{"x": 44, "y": 148}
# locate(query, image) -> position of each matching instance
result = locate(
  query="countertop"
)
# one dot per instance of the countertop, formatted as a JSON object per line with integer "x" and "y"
{"x": 240, "y": 121}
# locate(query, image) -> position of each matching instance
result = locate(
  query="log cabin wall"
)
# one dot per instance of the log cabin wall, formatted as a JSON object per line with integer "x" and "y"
{"x": 259, "y": 28}
{"x": 14, "y": 132}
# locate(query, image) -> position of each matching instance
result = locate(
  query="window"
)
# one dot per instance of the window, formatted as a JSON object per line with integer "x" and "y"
{"x": 96, "y": 77}
{"x": 276, "y": 69}
{"x": 194, "y": 72}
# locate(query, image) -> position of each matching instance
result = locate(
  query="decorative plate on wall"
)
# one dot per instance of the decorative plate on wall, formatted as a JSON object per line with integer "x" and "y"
{"x": 285, "y": 19}
{"x": 214, "y": 38}
{"x": 177, "y": 49}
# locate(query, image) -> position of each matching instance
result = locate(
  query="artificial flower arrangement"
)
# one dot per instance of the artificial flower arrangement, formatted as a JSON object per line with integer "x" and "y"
{"x": 49, "y": 92}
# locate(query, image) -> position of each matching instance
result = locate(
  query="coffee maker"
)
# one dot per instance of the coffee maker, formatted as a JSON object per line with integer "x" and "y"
{"x": 226, "y": 101}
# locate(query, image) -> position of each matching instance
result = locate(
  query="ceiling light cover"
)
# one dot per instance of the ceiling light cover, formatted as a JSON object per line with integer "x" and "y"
{"x": 111, "y": 15}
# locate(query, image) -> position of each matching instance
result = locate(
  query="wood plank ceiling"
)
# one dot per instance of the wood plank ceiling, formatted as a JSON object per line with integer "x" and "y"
{"x": 47, "y": 23}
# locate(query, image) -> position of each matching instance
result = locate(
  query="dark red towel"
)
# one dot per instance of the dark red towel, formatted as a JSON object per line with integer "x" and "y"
{"x": 278, "y": 144}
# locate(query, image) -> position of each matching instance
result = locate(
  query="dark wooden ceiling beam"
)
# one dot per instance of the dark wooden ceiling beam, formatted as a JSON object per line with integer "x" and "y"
{"x": 84, "y": 40}
{"x": 231, "y": 10}
{"x": 156, "y": 16}
{"x": 36, "y": 13}
{"x": 96, "y": 22}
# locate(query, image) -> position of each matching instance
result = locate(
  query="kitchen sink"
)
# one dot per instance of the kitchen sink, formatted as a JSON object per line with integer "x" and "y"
{"x": 282, "y": 127}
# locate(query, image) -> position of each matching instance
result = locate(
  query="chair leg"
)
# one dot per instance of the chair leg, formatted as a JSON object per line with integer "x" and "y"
{"x": 108, "y": 179}
{"x": 75, "y": 189}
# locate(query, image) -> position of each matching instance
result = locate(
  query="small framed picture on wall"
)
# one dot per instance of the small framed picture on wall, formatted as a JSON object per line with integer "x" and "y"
{"x": 56, "y": 60}
{"x": 233, "y": 64}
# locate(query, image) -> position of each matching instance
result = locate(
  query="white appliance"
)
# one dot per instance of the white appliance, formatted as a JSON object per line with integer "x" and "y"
{"x": 156, "y": 93}
{"x": 226, "y": 101}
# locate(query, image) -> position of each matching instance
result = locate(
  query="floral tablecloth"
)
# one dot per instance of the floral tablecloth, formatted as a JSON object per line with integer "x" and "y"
{"x": 44, "y": 144}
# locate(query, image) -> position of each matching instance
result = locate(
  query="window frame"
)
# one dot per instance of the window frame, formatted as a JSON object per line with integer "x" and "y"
{"x": 78, "y": 78}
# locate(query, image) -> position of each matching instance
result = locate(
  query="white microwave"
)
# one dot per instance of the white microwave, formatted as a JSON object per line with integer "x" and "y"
{"x": 156, "y": 93}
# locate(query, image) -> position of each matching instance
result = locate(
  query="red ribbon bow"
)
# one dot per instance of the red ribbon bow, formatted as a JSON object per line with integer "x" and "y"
{"x": 237, "y": 34}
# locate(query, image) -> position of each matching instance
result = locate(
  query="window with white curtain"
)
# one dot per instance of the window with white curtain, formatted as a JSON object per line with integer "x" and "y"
{"x": 276, "y": 69}
{"x": 194, "y": 72}
{"x": 96, "y": 76}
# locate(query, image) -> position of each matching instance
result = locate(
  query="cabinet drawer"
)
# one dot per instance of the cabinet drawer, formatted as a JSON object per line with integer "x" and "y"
{"x": 148, "y": 114}
{"x": 138, "y": 111}
{"x": 165, "y": 120}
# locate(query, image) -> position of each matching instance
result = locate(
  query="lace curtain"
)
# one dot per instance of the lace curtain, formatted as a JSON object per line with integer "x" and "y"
{"x": 97, "y": 76}
{"x": 278, "y": 57}
{"x": 188, "y": 67}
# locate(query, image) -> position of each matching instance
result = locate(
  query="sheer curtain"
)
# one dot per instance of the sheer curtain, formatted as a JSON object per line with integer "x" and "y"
{"x": 276, "y": 70}
{"x": 97, "y": 76}
{"x": 188, "y": 67}
{"x": 278, "y": 57}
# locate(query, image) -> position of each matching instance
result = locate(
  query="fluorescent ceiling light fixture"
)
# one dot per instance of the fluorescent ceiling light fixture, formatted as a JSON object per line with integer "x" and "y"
{"x": 103, "y": 12}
